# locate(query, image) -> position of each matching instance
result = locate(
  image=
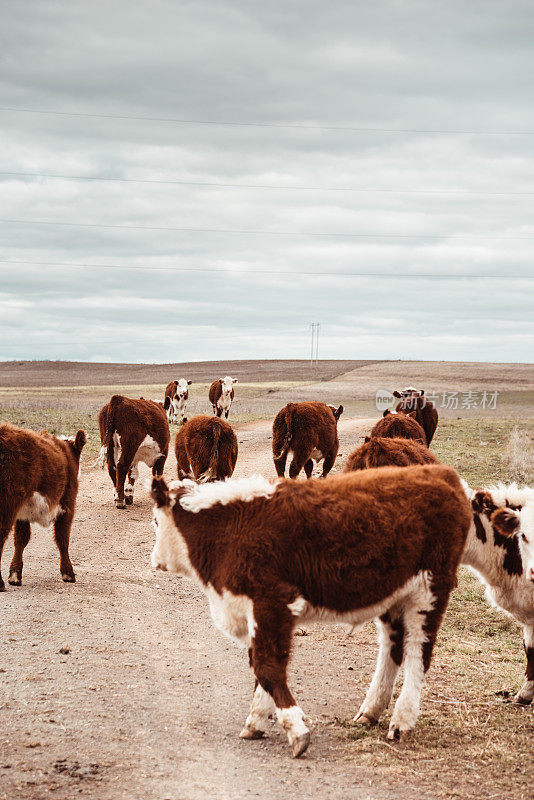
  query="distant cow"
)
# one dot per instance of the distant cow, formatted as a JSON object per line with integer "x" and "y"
{"x": 309, "y": 431}
{"x": 178, "y": 394}
{"x": 132, "y": 431}
{"x": 362, "y": 545}
{"x": 206, "y": 449}
{"x": 500, "y": 549}
{"x": 384, "y": 452}
{"x": 38, "y": 483}
{"x": 395, "y": 424}
{"x": 425, "y": 412}
{"x": 221, "y": 394}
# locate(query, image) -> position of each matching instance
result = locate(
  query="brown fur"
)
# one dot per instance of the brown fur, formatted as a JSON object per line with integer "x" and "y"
{"x": 132, "y": 420}
{"x": 343, "y": 544}
{"x": 399, "y": 425}
{"x": 384, "y": 452}
{"x": 425, "y": 411}
{"x": 206, "y": 449}
{"x": 37, "y": 462}
{"x": 302, "y": 429}
{"x": 214, "y": 395}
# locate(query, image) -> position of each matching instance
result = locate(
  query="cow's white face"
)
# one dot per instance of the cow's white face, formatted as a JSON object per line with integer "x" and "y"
{"x": 227, "y": 384}
{"x": 519, "y": 524}
{"x": 182, "y": 388}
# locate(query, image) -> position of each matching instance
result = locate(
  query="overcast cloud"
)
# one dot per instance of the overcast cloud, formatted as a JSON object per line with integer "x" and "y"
{"x": 409, "y": 66}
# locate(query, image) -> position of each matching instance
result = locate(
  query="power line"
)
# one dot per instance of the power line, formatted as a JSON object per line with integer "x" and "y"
{"x": 267, "y": 271}
{"x": 457, "y": 237}
{"x": 292, "y": 126}
{"x": 218, "y": 184}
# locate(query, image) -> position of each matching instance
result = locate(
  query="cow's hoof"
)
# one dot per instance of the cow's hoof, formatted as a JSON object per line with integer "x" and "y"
{"x": 364, "y": 719}
{"x": 68, "y": 578}
{"x": 2, "y": 587}
{"x": 396, "y": 735}
{"x": 250, "y": 733}
{"x": 300, "y": 745}
{"x": 14, "y": 579}
{"x": 129, "y": 500}
{"x": 120, "y": 504}
{"x": 521, "y": 700}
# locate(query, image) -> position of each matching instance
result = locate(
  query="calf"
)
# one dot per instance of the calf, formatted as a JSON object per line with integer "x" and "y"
{"x": 384, "y": 452}
{"x": 309, "y": 431}
{"x": 132, "y": 431}
{"x": 500, "y": 549}
{"x": 177, "y": 393}
{"x": 221, "y": 394}
{"x": 380, "y": 543}
{"x": 38, "y": 483}
{"x": 396, "y": 424}
{"x": 206, "y": 449}
{"x": 425, "y": 411}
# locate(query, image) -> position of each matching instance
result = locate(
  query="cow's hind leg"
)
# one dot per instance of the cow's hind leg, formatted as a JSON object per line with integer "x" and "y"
{"x": 270, "y": 653}
{"x": 159, "y": 464}
{"x": 308, "y": 468}
{"x": 4, "y": 533}
{"x": 133, "y": 474}
{"x": 262, "y": 707}
{"x": 62, "y": 527}
{"x": 297, "y": 464}
{"x": 391, "y": 643}
{"x": 328, "y": 463}
{"x": 422, "y": 617}
{"x": 526, "y": 694}
{"x": 22, "y": 537}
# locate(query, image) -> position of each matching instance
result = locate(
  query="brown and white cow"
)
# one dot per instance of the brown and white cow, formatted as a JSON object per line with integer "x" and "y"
{"x": 178, "y": 394}
{"x": 500, "y": 549}
{"x": 380, "y": 543}
{"x": 396, "y": 424}
{"x": 384, "y": 452}
{"x": 206, "y": 449}
{"x": 425, "y": 411}
{"x": 132, "y": 431}
{"x": 38, "y": 483}
{"x": 309, "y": 431}
{"x": 221, "y": 395}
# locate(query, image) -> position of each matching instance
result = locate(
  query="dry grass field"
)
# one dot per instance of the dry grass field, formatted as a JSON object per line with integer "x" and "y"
{"x": 470, "y": 740}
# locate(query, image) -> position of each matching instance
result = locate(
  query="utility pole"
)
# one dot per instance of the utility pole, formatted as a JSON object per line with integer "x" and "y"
{"x": 314, "y": 353}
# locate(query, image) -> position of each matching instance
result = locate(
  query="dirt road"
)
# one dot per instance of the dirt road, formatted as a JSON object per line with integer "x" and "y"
{"x": 119, "y": 686}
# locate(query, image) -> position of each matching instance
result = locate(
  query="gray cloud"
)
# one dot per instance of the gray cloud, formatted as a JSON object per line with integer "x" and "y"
{"x": 415, "y": 66}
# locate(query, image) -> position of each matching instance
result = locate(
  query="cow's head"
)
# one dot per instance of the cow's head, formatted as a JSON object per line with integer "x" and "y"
{"x": 182, "y": 388}
{"x": 170, "y": 551}
{"x": 227, "y": 384}
{"x": 337, "y": 412}
{"x": 410, "y": 398}
{"x": 509, "y": 522}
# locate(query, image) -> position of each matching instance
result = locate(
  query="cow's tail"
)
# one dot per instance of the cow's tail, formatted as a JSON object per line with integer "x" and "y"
{"x": 288, "y": 417}
{"x": 211, "y": 473}
{"x": 106, "y": 452}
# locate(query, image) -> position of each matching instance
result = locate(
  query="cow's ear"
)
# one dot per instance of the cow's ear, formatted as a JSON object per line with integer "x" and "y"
{"x": 338, "y": 412}
{"x": 481, "y": 502}
{"x": 421, "y": 392}
{"x": 234, "y": 380}
{"x": 79, "y": 441}
{"x": 166, "y": 402}
{"x": 189, "y": 383}
{"x": 412, "y": 414}
{"x": 386, "y": 412}
{"x": 396, "y": 394}
{"x": 505, "y": 521}
{"x": 159, "y": 492}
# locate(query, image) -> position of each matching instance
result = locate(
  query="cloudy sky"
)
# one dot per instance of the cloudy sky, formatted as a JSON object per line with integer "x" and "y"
{"x": 365, "y": 165}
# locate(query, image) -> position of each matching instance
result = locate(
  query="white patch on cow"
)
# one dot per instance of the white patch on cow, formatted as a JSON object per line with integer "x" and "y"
{"x": 233, "y": 615}
{"x": 412, "y": 591}
{"x": 379, "y": 694}
{"x": 148, "y": 452}
{"x": 170, "y": 550}
{"x": 101, "y": 460}
{"x": 261, "y": 707}
{"x": 117, "y": 449}
{"x": 224, "y": 402}
{"x": 316, "y": 455}
{"x": 36, "y": 509}
{"x": 199, "y": 497}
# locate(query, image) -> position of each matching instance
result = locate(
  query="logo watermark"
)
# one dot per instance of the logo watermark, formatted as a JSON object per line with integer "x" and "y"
{"x": 483, "y": 400}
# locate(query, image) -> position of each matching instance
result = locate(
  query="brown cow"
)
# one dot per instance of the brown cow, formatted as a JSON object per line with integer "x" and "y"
{"x": 395, "y": 424}
{"x": 425, "y": 411}
{"x": 384, "y": 452}
{"x": 178, "y": 394}
{"x": 38, "y": 483}
{"x": 358, "y": 546}
{"x": 221, "y": 395}
{"x": 206, "y": 449}
{"x": 132, "y": 431}
{"x": 309, "y": 431}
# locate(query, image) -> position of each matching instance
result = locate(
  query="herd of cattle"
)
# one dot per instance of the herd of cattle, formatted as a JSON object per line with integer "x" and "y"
{"x": 382, "y": 540}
